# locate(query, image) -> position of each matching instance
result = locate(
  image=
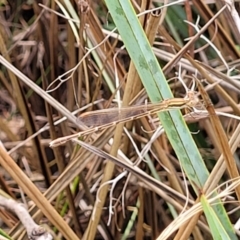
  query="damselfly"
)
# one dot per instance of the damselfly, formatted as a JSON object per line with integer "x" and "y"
{"x": 112, "y": 116}
{"x": 102, "y": 119}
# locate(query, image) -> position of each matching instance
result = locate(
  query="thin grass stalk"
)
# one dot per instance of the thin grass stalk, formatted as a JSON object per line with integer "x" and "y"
{"x": 140, "y": 215}
{"x": 223, "y": 141}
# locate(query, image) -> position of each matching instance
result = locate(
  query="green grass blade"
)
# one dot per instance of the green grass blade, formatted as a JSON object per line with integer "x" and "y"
{"x": 217, "y": 229}
{"x": 157, "y": 88}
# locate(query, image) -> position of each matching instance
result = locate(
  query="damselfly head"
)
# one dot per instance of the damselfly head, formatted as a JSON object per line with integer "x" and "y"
{"x": 192, "y": 98}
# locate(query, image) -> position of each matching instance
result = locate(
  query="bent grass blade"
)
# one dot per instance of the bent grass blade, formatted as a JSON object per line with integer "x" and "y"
{"x": 102, "y": 119}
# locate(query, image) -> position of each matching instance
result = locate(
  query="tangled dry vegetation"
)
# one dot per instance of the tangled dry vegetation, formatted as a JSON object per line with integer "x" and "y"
{"x": 127, "y": 175}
